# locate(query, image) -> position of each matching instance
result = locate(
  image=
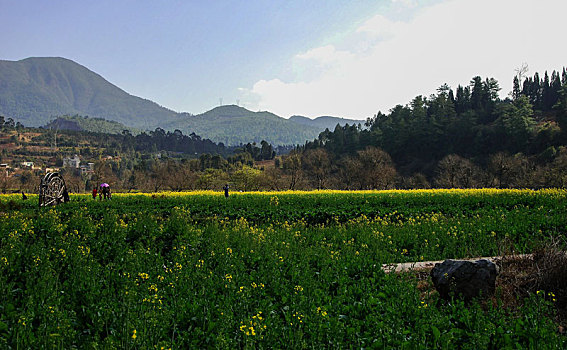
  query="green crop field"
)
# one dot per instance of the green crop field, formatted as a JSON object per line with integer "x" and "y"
{"x": 266, "y": 270}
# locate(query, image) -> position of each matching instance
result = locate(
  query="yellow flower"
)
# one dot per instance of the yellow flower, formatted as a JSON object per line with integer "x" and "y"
{"x": 134, "y": 336}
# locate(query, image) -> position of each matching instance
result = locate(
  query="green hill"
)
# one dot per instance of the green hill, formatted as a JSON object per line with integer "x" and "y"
{"x": 325, "y": 122}
{"x": 78, "y": 123}
{"x": 233, "y": 125}
{"x": 34, "y": 90}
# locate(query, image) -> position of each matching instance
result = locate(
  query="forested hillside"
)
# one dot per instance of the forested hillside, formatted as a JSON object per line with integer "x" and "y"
{"x": 34, "y": 90}
{"x": 99, "y": 125}
{"x": 324, "y": 122}
{"x": 463, "y": 135}
{"x": 233, "y": 125}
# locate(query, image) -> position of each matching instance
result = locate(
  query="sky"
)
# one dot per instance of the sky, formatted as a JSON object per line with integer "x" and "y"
{"x": 347, "y": 59}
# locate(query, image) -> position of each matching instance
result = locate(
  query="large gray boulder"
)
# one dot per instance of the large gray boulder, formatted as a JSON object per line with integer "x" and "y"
{"x": 466, "y": 279}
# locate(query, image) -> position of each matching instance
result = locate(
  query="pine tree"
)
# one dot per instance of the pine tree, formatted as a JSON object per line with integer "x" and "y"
{"x": 546, "y": 94}
{"x": 516, "y": 89}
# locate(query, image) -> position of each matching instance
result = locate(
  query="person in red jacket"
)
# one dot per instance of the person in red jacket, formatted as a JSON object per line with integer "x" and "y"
{"x": 94, "y": 193}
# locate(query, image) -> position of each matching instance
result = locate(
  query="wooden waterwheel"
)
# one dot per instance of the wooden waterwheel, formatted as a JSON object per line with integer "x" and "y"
{"x": 52, "y": 190}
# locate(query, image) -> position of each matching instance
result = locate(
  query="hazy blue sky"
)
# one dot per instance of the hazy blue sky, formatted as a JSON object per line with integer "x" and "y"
{"x": 343, "y": 58}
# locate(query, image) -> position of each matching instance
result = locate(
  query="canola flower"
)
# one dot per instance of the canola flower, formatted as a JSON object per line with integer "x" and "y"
{"x": 278, "y": 194}
{"x": 349, "y": 238}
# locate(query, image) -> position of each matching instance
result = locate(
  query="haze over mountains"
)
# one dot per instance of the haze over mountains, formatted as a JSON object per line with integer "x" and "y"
{"x": 35, "y": 90}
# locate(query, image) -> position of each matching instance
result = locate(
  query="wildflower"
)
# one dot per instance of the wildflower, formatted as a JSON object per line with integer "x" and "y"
{"x": 228, "y": 277}
{"x": 229, "y": 251}
{"x": 321, "y": 311}
{"x": 134, "y": 336}
{"x": 298, "y": 288}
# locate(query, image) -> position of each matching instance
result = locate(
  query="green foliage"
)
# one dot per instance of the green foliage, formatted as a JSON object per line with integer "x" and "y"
{"x": 95, "y": 125}
{"x": 264, "y": 270}
{"x": 474, "y": 124}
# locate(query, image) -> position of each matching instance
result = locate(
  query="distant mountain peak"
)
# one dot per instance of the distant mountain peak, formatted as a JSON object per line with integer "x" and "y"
{"x": 35, "y": 89}
{"x": 324, "y": 122}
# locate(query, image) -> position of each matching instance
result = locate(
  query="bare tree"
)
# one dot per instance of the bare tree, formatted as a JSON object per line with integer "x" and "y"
{"x": 457, "y": 172}
{"x": 511, "y": 171}
{"x": 417, "y": 180}
{"x": 317, "y": 166}
{"x": 376, "y": 169}
{"x": 292, "y": 167}
{"x": 6, "y": 181}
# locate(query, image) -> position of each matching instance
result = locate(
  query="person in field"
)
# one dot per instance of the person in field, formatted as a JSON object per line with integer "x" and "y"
{"x": 94, "y": 192}
{"x": 225, "y": 188}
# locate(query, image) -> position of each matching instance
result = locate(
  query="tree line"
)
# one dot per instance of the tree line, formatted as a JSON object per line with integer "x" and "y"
{"x": 465, "y": 138}
{"x": 471, "y": 130}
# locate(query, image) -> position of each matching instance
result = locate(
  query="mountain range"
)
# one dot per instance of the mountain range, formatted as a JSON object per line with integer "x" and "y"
{"x": 35, "y": 90}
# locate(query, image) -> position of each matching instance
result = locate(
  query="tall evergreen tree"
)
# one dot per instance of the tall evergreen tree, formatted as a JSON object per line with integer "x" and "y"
{"x": 516, "y": 92}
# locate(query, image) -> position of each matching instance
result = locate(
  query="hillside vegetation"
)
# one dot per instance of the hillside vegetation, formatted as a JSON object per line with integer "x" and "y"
{"x": 324, "y": 122}
{"x": 99, "y": 125}
{"x": 34, "y": 90}
{"x": 233, "y": 125}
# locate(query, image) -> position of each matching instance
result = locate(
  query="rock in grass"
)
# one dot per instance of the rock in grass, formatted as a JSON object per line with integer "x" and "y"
{"x": 466, "y": 279}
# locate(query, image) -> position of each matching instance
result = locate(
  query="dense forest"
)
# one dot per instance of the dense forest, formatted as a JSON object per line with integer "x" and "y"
{"x": 470, "y": 129}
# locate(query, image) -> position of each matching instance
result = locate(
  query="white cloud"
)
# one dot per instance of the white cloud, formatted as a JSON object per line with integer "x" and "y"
{"x": 406, "y": 3}
{"x": 446, "y": 43}
{"x": 382, "y": 27}
{"x": 325, "y": 55}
